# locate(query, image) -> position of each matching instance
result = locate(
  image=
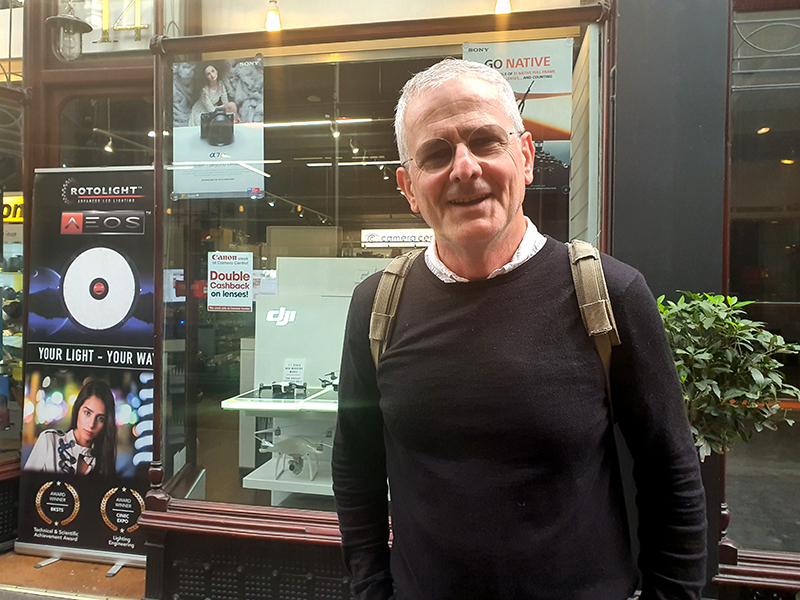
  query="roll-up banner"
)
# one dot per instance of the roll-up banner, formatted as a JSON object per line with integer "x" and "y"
{"x": 87, "y": 434}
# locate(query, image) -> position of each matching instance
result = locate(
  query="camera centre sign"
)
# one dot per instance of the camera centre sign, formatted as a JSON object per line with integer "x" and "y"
{"x": 396, "y": 238}
{"x": 230, "y": 281}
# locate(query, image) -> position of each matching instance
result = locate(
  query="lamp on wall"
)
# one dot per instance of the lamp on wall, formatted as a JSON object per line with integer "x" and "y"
{"x": 502, "y": 7}
{"x": 68, "y": 38}
{"x": 273, "y": 17}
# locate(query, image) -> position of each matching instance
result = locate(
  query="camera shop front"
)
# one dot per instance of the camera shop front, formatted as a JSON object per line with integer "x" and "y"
{"x": 276, "y": 179}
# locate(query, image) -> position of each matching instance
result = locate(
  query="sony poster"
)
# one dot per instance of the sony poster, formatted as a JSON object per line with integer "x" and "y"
{"x": 218, "y": 129}
{"x": 540, "y": 73}
{"x": 87, "y": 434}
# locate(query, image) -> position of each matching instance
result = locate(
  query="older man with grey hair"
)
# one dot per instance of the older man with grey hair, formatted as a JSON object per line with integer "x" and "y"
{"x": 489, "y": 410}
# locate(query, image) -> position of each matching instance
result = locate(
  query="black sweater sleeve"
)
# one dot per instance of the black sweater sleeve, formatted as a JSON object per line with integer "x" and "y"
{"x": 359, "y": 458}
{"x": 649, "y": 407}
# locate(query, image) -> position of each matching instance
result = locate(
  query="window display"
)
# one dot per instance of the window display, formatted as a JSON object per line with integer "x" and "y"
{"x": 258, "y": 281}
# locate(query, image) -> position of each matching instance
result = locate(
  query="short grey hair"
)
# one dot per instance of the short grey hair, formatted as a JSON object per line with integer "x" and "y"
{"x": 442, "y": 72}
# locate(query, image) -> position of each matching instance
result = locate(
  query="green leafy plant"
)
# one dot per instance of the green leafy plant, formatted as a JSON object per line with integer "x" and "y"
{"x": 726, "y": 362}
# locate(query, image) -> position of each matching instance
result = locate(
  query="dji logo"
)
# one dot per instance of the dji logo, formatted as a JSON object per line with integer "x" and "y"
{"x": 281, "y": 317}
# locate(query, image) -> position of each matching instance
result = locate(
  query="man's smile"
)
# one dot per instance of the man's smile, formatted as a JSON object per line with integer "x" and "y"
{"x": 470, "y": 200}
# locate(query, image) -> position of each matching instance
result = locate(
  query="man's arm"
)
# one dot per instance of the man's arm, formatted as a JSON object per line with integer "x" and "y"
{"x": 359, "y": 460}
{"x": 648, "y": 404}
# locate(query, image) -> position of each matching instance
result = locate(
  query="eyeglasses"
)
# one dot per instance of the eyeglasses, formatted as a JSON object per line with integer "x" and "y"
{"x": 485, "y": 143}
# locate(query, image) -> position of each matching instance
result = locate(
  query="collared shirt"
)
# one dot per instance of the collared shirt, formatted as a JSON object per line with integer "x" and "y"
{"x": 531, "y": 243}
{"x": 58, "y": 452}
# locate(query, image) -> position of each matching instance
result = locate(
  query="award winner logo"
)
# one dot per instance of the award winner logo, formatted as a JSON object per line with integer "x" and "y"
{"x": 121, "y": 508}
{"x": 56, "y": 500}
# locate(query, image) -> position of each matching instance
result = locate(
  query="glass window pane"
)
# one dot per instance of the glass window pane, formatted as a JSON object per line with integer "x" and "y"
{"x": 107, "y": 132}
{"x": 249, "y": 394}
{"x": 765, "y": 256}
{"x": 11, "y": 267}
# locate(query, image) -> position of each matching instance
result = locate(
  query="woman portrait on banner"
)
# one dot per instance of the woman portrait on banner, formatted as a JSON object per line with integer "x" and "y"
{"x": 90, "y": 445}
{"x": 213, "y": 95}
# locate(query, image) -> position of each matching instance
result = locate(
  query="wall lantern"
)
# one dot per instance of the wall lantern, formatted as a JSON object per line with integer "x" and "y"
{"x": 68, "y": 37}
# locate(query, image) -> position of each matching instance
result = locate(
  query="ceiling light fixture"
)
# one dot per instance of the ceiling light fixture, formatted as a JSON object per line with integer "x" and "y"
{"x": 360, "y": 163}
{"x": 354, "y": 147}
{"x": 109, "y": 147}
{"x": 763, "y": 130}
{"x": 273, "y": 22}
{"x": 787, "y": 161}
{"x": 502, "y": 7}
{"x": 68, "y": 40}
{"x": 311, "y": 123}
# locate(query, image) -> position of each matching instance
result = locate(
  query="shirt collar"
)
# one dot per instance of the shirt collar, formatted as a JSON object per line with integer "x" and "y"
{"x": 531, "y": 243}
{"x": 78, "y": 449}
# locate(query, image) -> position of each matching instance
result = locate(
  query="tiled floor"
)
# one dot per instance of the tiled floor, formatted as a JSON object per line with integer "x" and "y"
{"x": 20, "y": 580}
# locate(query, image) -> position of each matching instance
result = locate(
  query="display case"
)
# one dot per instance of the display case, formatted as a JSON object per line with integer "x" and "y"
{"x": 11, "y": 290}
{"x": 288, "y": 413}
{"x": 297, "y": 436}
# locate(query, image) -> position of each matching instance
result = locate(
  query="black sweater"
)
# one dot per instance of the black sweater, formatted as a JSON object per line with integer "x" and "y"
{"x": 489, "y": 414}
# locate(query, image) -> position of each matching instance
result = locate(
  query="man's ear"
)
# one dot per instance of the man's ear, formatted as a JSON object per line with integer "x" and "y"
{"x": 529, "y": 155}
{"x": 404, "y": 183}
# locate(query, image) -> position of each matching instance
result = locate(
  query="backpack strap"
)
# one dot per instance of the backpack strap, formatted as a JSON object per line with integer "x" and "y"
{"x": 387, "y": 297}
{"x": 595, "y": 305}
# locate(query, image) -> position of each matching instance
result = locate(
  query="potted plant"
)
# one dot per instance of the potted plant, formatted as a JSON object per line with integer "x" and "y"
{"x": 726, "y": 362}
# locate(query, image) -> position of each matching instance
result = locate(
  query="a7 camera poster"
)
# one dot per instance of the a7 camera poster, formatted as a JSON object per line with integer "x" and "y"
{"x": 218, "y": 129}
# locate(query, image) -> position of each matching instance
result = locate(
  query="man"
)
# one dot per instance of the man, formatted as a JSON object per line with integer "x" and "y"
{"x": 488, "y": 410}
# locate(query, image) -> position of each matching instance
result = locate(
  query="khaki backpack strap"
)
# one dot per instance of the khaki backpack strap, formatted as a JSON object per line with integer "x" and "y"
{"x": 595, "y": 305}
{"x": 387, "y": 297}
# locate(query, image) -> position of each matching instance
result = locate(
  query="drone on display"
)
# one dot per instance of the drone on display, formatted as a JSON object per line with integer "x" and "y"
{"x": 293, "y": 452}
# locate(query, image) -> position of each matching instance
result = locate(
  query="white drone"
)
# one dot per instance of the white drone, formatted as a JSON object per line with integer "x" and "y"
{"x": 294, "y": 451}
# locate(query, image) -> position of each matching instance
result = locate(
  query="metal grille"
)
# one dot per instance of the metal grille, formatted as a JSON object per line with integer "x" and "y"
{"x": 9, "y": 508}
{"x": 231, "y": 569}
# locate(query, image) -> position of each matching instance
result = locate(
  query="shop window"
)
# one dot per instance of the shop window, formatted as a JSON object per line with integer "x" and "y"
{"x": 764, "y": 224}
{"x": 107, "y": 132}
{"x": 296, "y": 187}
{"x": 11, "y": 268}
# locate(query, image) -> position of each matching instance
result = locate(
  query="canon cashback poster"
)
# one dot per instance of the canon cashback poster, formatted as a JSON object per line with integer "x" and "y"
{"x": 88, "y": 414}
{"x": 540, "y": 73}
{"x": 218, "y": 129}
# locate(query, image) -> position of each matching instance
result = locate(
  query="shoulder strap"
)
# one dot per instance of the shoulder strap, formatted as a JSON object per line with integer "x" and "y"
{"x": 387, "y": 297}
{"x": 595, "y": 305}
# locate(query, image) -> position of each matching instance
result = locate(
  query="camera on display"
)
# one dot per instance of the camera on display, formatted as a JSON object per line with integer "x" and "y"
{"x": 216, "y": 127}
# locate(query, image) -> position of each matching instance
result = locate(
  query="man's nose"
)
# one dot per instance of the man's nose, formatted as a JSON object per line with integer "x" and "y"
{"x": 465, "y": 165}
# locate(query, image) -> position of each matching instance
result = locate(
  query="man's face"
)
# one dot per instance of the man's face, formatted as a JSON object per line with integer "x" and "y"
{"x": 472, "y": 202}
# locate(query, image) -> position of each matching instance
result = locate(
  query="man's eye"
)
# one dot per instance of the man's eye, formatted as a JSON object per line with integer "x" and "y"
{"x": 437, "y": 157}
{"x": 485, "y": 145}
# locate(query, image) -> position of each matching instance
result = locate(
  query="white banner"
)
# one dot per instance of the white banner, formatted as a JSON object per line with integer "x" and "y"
{"x": 540, "y": 73}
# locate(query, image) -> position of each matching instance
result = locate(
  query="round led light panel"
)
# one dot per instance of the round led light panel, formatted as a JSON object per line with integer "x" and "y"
{"x": 99, "y": 288}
